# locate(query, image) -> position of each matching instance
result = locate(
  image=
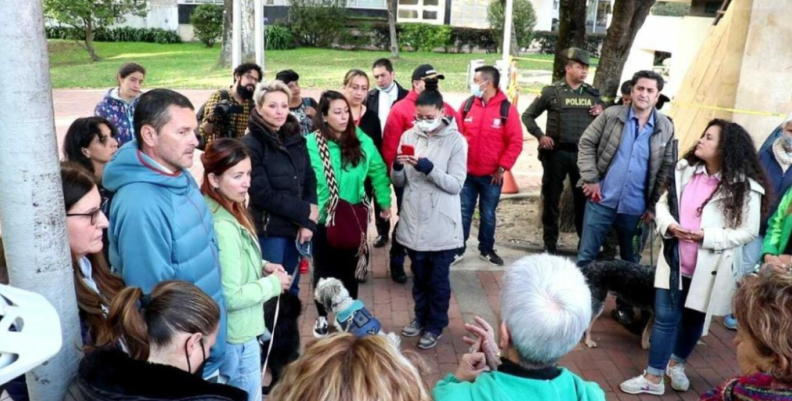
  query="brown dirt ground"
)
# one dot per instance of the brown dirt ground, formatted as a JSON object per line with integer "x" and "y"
{"x": 519, "y": 223}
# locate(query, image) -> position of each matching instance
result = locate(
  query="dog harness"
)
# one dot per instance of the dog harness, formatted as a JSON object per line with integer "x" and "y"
{"x": 358, "y": 320}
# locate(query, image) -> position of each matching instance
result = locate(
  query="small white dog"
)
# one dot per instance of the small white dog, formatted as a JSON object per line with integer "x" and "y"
{"x": 351, "y": 315}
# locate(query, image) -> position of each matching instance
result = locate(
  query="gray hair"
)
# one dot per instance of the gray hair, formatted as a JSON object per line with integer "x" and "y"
{"x": 546, "y": 306}
{"x": 787, "y": 120}
{"x": 263, "y": 88}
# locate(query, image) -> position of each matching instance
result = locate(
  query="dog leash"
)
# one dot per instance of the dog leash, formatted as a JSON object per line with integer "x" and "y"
{"x": 272, "y": 338}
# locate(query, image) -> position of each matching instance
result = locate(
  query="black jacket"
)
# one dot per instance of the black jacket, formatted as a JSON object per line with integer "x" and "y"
{"x": 372, "y": 102}
{"x": 370, "y": 125}
{"x": 111, "y": 375}
{"x": 283, "y": 184}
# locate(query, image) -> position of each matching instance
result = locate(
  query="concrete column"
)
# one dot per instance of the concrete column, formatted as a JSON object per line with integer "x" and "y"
{"x": 31, "y": 199}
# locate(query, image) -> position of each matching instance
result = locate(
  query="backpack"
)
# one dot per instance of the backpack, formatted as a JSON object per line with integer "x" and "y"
{"x": 504, "y": 109}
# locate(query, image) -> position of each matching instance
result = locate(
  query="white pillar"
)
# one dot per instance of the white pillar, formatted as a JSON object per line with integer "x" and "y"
{"x": 236, "y": 35}
{"x": 508, "y": 15}
{"x": 31, "y": 198}
{"x": 259, "y": 32}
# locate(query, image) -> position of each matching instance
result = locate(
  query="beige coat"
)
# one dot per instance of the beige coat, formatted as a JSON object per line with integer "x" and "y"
{"x": 713, "y": 281}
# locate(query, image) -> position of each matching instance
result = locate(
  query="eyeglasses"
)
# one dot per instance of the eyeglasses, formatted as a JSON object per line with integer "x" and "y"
{"x": 94, "y": 215}
{"x": 251, "y": 77}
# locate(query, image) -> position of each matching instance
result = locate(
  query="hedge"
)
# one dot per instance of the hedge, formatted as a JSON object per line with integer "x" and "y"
{"x": 548, "y": 39}
{"x": 123, "y": 34}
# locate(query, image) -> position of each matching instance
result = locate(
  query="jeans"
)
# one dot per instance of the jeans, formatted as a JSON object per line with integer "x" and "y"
{"x": 597, "y": 222}
{"x": 397, "y": 251}
{"x": 431, "y": 288}
{"x": 488, "y": 195}
{"x": 332, "y": 262}
{"x": 751, "y": 253}
{"x": 281, "y": 250}
{"x": 242, "y": 366}
{"x": 676, "y": 329}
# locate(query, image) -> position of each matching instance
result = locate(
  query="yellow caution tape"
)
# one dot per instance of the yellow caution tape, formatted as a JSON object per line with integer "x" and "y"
{"x": 540, "y": 60}
{"x": 729, "y": 110}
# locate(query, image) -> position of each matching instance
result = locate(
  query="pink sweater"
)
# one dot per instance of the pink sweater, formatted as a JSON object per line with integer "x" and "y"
{"x": 696, "y": 192}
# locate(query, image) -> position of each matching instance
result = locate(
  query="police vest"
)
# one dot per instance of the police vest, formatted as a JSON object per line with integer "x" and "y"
{"x": 570, "y": 116}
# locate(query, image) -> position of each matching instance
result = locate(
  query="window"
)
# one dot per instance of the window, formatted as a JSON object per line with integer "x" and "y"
{"x": 429, "y": 11}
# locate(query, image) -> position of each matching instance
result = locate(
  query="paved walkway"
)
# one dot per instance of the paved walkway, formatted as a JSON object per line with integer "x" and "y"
{"x": 476, "y": 288}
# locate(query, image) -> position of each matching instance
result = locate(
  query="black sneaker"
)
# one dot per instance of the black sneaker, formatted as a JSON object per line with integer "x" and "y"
{"x": 381, "y": 241}
{"x": 397, "y": 274}
{"x": 458, "y": 256}
{"x": 428, "y": 340}
{"x": 492, "y": 258}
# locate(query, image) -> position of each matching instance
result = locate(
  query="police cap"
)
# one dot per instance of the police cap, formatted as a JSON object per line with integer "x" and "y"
{"x": 577, "y": 54}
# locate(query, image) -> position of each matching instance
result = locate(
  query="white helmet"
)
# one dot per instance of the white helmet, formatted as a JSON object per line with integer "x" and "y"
{"x": 30, "y": 332}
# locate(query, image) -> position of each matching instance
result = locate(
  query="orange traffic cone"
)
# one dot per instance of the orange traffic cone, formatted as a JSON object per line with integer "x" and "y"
{"x": 509, "y": 184}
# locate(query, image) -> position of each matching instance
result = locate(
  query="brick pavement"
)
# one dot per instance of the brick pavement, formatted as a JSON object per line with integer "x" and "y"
{"x": 618, "y": 357}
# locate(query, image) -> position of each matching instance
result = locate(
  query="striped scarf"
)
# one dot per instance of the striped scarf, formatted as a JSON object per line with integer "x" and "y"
{"x": 756, "y": 387}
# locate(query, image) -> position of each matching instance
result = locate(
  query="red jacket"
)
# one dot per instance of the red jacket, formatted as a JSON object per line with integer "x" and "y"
{"x": 490, "y": 144}
{"x": 401, "y": 119}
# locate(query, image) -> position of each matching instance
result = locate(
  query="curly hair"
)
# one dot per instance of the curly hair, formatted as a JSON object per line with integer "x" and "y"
{"x": 763, "y": 306}
{"x": 739, "y": 163}
{"x": 345, "y": 367}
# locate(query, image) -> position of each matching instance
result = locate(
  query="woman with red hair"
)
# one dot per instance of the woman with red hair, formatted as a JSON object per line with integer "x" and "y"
{"x": 247, "y": 282}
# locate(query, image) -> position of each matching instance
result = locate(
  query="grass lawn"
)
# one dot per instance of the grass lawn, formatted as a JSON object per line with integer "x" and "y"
{"x": 193, "y": 66}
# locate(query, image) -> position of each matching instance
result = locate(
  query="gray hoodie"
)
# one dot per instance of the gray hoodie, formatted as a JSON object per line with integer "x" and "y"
{"x": 431, "y": 211}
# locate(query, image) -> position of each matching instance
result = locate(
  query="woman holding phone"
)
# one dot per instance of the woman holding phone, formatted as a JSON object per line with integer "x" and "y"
{"x": 431, "y": 167}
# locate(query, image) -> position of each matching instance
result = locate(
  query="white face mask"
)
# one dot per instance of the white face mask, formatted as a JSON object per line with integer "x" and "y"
{"x": 475, "y": 90}
{"x": 428, "y": 125}
{"x": 788, "y": 141}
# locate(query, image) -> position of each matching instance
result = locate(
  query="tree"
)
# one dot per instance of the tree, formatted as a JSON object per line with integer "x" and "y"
{"x": 670, "y": 9}
{"x": 571, "y": 31}
{"x": 207, "y": 20}
{"x": 248, "y": 31}
{"x": 90, "y": 15}
{"x": 523, "y": 22}
{"x": 628, "y": 18}
{"x": 394, "y": 41}
{"x": 228, "y": 25}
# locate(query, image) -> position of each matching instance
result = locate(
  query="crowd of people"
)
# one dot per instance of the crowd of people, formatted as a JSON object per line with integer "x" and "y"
{"x": 172, "y": 270}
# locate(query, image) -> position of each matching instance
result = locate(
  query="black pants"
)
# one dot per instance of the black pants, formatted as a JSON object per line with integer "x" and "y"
{"x": 332, "y": 262}
{"x": 557, "y": 165}
{"x": 383, "y": 225}
{"x": 397, "y": 252}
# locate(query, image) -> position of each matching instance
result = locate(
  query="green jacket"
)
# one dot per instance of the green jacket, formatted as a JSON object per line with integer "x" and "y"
{"x": 244, "y": 288}
{"x": 504, "y": 387}
{"x": 350, "y": 179}
{"x": 779, "y": 228}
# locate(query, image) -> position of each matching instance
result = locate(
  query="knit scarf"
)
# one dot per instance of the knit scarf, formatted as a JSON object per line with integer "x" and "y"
{"x": 756, "y": 387}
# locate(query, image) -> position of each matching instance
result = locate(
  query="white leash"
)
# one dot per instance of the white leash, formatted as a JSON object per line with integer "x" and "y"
{"x": 272, "y": 338}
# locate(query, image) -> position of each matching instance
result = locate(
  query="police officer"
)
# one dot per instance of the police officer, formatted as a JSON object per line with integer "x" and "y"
{"x": 571, "y": 106}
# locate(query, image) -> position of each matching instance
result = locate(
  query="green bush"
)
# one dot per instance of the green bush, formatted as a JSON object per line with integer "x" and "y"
{"x": 123, "y": 34}
{"x": 381, "y": 38}
{"x": 207, "y": 21}
{"x": 279, "y": 37}
{"x": 548, "y": 40}
{"x": 425, "y": 37}
{"x": 356, "y": 38}
{"x": 472, "y": 38}
{"x": 317, "y": 23}
{"x": 668, "y": 9}
{"x": 524, "y": 20}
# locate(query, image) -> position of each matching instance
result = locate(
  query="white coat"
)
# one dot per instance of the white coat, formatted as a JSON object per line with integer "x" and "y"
{"x": 720, "y": 253}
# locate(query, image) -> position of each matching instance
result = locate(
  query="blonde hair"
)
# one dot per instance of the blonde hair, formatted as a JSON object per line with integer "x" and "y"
{"x": 349, "y": 368}
{"x": 763, "y": 306}
{"x": 263, "y": 88}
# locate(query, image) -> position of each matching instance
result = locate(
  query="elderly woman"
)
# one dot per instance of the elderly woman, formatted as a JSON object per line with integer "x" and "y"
{"x": 763, "y": 304}
{"x": 545, "y": 308}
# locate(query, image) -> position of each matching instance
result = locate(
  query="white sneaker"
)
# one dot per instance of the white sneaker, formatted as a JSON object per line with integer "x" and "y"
{"x": 679, "y": 380}
{"x": 321, "y": 329}
{"x": 639, "y": 385}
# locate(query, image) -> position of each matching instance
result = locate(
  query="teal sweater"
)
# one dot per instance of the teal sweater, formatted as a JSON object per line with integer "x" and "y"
{"x": 504, "y": 387}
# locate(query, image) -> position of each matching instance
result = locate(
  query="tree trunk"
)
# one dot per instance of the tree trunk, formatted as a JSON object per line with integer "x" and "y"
{"x": 571, "y": 31}
{"x": 248, "y": 31}
{"x": 225, "y": 52}
{"x": 89, "y": 45}
{"x": 628, "y": 18}
{"x": 394, "y": 41}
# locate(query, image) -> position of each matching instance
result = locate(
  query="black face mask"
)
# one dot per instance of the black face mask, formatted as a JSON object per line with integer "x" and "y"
{"x": 199, "y": 371}
{"x": 244, "y": 91}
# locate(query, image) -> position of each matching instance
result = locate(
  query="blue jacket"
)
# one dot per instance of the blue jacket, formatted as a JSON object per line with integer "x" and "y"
{"x": 780, "y": 182}
{"x": 161, "y": 229}
{"x": 120, "y": 113}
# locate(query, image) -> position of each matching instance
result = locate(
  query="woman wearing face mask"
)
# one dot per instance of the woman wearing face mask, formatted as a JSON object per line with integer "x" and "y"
{"x": 430, "y": 227}
{"x": 720, "y": 197}
{"x": 356, "y": 84}
{"x": 168, "y": 335}
{"x": 776, "y": 160}
{"x": 118, "y": 105}
{"x": 247, "y": 282}
{"x": 342, "y": 157}
{"x": 283, "y": 188}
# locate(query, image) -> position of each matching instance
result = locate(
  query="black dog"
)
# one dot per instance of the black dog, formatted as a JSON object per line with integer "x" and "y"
{"x": 286, "y": 348}
{"x": 631, "y": 282}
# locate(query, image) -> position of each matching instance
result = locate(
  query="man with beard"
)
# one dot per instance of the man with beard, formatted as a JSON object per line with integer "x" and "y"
{"x": 227, "y": 110}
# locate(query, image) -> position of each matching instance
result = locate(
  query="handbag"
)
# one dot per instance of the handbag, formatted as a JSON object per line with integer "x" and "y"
{"x": 347, "y": 224}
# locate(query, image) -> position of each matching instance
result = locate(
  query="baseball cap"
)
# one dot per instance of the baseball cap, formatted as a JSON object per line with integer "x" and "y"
{"x": 426, "y": 71}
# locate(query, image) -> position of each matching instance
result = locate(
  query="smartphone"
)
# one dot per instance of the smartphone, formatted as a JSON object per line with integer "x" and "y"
{"x": 408, "y": 150}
